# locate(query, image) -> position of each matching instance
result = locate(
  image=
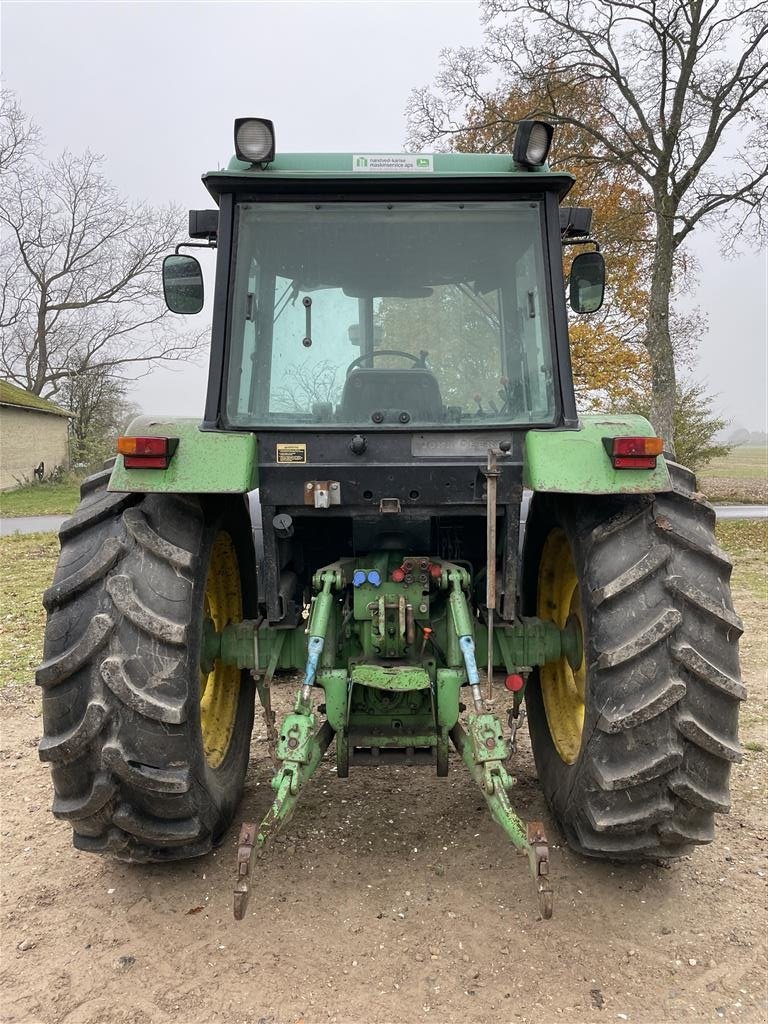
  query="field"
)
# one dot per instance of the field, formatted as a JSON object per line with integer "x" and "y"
{"x": 391, "y": 898}
{"x": 740, "y": 478}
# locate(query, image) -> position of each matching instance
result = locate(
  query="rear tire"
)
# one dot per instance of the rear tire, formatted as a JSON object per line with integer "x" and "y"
{"x": 121, "y": 680}
{"x": 663, "y": 686}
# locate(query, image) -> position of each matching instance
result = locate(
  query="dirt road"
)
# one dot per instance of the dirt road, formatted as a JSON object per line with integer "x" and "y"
{"x": 392, "y": 898}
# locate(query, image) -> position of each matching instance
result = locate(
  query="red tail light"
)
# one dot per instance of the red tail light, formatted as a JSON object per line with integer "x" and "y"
{"x": 633, "y": 452}
{"x": 146, "y": 452}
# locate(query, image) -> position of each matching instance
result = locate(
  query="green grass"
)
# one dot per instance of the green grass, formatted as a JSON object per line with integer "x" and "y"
{"x": 40, "y": 499}
{"x": 746, "y": 541}
{"x": 26, "y": 567}
{"x": 739, "y": 464}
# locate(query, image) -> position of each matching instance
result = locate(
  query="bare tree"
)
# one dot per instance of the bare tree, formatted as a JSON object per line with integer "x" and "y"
{"x": 19, "y": 140}
{"x": 673, "y": 85}
{"x": 80, "y": 272}
{"x": 100, "y": 410}
{"x": 306, "y": 384}
{"x": 19, "y": 137}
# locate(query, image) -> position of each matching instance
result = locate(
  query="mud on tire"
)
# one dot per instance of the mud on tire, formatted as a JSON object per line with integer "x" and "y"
{"x": 663, "y": 685}
{"x": 121, "y": 681}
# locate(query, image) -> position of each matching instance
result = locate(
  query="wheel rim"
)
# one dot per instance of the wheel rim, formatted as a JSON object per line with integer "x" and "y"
{"x": 220, "y": 688}
{"x": 563, "y": 688}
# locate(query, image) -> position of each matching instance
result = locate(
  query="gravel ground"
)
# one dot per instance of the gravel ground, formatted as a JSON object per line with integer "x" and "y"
{"x": 392, "y": 898}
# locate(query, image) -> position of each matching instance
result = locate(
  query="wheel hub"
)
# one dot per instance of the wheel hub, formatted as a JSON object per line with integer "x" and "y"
{"x": 220, "y": 686}
{"x": 563, "y": 682}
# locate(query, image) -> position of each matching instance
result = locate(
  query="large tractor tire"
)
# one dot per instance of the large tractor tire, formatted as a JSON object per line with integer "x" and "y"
{"x": 634, "y": 746}
{"x": 147, "y": 754}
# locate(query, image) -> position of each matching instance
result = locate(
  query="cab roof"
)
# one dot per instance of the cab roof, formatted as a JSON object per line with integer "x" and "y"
{"x": 485, "y": 172}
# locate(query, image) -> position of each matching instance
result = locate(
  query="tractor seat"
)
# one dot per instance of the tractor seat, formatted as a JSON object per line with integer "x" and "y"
{"x": 391, "y": 392}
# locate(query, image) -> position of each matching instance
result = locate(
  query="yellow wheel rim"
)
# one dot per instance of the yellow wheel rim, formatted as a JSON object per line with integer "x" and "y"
{"x": 563, "y": 688}
{"x": 220, "y": 688}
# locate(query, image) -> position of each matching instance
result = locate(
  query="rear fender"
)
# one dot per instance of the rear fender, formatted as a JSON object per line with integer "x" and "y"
{"x": 576, "y": 462}
{"x": 204, "y": 462}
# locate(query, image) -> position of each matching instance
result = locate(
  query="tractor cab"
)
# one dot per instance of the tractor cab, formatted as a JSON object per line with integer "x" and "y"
{"x": 388, "y": 293}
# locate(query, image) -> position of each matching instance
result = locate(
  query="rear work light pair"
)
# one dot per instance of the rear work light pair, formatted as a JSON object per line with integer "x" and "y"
{"x": 255, "y": 141}
{"x": 633, "y": 452}
{"x": 146, "y": 452}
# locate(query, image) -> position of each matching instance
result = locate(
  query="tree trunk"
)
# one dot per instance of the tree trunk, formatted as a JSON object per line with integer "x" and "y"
{"x": 41, "y": 344}
{"x": 658, "y": 340}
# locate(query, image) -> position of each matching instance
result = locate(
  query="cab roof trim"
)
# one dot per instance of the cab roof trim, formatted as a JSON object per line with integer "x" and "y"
{"x": 491, "y": 168}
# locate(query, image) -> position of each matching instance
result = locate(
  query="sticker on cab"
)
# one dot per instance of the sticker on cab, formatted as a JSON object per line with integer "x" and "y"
{"x": 291, "y": 453}
{"x": 372, "y": 163}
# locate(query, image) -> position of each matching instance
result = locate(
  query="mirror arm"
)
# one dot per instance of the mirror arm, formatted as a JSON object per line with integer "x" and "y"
{"x": 195, "y": 245}
{"x": 582, "y": 241}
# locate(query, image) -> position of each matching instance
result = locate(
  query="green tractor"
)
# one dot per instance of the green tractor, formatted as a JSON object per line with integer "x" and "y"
{"x": 389, "y": 373}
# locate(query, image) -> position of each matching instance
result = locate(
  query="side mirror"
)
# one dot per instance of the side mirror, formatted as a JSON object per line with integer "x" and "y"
{"x": 587, "y": 282}
{"x": 182, "y": 284}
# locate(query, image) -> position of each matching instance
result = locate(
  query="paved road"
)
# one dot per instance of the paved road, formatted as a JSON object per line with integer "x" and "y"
{"x": 45, "y": 524}
{"x": 742, "y": 511}
{"x": 31, "y": 524}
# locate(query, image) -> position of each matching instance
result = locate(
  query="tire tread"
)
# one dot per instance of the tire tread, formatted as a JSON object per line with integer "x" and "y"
{"x": 115, "y": 678}
{"x": 663, "y": 661}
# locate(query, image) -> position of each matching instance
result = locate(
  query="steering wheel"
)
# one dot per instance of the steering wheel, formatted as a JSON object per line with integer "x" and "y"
{"x": 419, "y": 360}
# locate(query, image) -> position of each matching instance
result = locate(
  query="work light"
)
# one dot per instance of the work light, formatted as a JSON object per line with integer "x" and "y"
{"x": 532, "y": 142}
{"x": 254, "y": 140}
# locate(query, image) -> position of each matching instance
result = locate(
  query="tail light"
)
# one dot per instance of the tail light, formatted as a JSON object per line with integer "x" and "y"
{"x": 146, "y": 452}
{"x": 633, "y": 452}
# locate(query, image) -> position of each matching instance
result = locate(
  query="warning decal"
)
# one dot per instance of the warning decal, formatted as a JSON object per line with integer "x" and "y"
{"x": 291, "y": 453}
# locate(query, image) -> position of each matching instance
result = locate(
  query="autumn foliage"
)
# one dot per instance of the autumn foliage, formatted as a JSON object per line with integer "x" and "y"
{"x": 610, "y": 363}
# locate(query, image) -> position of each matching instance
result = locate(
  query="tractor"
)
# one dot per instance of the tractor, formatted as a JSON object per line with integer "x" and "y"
{"x": 392, "y": 504}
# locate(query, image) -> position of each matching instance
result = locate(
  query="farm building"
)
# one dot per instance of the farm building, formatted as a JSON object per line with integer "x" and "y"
{"x": 33, "y": 436}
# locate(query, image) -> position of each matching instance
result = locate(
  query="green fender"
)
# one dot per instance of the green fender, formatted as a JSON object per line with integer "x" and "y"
{"x": 205, "y": 461}
{"x": 220, "y": 462}
{"x": 576, "y": 462}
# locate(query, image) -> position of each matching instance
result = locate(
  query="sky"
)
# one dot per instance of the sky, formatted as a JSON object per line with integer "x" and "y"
{"x": 155, "y": 88}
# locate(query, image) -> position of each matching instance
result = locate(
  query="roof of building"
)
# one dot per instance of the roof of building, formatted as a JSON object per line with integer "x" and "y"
{"x": 17, "y": 397}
